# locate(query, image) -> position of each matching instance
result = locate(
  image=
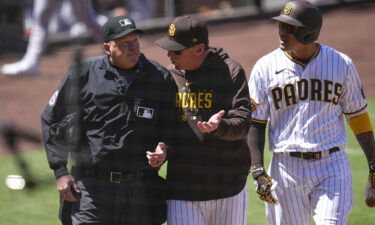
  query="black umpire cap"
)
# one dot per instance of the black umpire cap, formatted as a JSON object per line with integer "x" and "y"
{"x": 184, "y": 32}
{"x": 119, "y": 26}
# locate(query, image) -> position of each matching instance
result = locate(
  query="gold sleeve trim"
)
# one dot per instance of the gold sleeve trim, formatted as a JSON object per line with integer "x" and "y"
{"x": 353, "y": 113}
{"x": 360, "y": 124}
{"x": 259, "y": 121}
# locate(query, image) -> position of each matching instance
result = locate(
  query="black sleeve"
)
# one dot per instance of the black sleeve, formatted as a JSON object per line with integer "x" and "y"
{"x": 256, "y": 140}
{"x": 170, "y": 114}
{"x": 56, "y": 121}
{"x": 236, "y": 123}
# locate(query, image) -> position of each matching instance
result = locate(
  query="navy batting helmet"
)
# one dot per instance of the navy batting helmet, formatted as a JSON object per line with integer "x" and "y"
{"x": 305, "y": 16}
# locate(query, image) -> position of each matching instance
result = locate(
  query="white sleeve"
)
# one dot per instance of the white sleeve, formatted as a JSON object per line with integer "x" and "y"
{"x": 352, "y": 101}
{"x": 258, "y": 93}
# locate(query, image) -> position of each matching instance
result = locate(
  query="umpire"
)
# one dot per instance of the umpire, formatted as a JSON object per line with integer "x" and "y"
{"x": 109, "y": 114}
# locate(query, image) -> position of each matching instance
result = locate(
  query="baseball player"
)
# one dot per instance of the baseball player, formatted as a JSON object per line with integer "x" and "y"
{"x": 43, "y": 10}
{"x": 208, "y": 168}
{"x": 302, "y": 90}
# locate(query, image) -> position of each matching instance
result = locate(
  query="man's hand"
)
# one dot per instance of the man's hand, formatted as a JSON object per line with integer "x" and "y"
{"x": 65, "y": 185}
{"x": 156, "y": 158}
{"x": 264, "y": 186}
{"x": 212, "y": 124}
{"x": 370, "y": 187}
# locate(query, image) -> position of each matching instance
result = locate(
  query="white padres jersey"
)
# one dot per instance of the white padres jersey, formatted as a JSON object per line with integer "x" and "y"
{"x": 303, "y": 106}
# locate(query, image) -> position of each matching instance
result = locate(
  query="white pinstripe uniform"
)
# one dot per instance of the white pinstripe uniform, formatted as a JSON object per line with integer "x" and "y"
{"x": 42, "y": 13}
{"x": 223, "y": 211}
{"x": 303, "y": 106}
{"x": 43, "y": 10}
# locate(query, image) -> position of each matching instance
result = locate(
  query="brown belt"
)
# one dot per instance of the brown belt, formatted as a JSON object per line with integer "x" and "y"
{"x": 112, "y": 176}
{"x": 312, "y": 155}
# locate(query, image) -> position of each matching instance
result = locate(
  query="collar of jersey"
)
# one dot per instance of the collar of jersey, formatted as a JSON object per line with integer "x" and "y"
{"x": 301, "y": 63}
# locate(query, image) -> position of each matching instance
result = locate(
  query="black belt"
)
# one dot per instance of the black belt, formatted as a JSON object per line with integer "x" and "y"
{"x": 111, "y": 176}
{"x": 312, "y": 155}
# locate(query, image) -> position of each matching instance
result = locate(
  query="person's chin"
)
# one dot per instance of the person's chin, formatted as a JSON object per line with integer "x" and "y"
{"x": 133, "y": 58}
{"x": 175, "y": 65}
{"x": 283, "y": 45}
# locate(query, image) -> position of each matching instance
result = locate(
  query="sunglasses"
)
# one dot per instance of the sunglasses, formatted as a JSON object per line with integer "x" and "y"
{"x": 180, "y": 51}
{"x": 177, "y": 52}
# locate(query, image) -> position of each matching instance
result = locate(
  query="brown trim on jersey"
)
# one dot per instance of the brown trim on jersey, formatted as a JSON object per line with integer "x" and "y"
{"x": 352, "y": 113}
{"x": 259, "y": 121}
{"x": 301, "y": 63}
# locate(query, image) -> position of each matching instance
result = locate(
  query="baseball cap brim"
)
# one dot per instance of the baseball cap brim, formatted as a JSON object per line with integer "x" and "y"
{"x": 126, "y": 32}
{"x": 288, "y": 19}
{"x": 169, "y": 44}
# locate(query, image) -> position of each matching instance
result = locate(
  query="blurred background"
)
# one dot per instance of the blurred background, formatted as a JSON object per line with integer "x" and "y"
{"x": 242, "y": 27}
{"x": 17, "y": 20}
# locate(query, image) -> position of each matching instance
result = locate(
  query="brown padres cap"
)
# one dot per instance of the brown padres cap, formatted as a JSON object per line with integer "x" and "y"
{"x": 184, "y": 32}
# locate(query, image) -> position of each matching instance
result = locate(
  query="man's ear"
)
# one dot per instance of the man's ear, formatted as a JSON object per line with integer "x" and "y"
{"x": 200, "y": 49}
{"x": 106, "y": 47}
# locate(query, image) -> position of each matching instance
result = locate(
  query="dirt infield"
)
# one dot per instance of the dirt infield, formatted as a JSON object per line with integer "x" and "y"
{"x": 347, "y": 29}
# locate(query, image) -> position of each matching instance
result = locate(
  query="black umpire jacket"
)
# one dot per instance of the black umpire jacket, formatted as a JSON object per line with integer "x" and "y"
{"x": 215, "y": 165}
{"x": 104, "y": 120}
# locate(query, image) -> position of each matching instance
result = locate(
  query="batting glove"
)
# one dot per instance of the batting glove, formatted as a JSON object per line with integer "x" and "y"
{"x": 370, "y": 187}
{"x": 264, "y": 185}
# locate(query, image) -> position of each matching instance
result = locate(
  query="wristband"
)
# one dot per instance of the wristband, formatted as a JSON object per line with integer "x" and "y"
{"x": 371, "y": 166}
{"x": 256, "y": 172}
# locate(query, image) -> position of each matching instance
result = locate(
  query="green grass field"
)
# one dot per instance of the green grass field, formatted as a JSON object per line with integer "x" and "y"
{"x": 40, "y": 205}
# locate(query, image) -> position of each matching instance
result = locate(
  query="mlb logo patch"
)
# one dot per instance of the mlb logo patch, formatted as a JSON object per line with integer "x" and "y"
{"x": 144, "y": 112}
{"x": 125, "y": 22}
